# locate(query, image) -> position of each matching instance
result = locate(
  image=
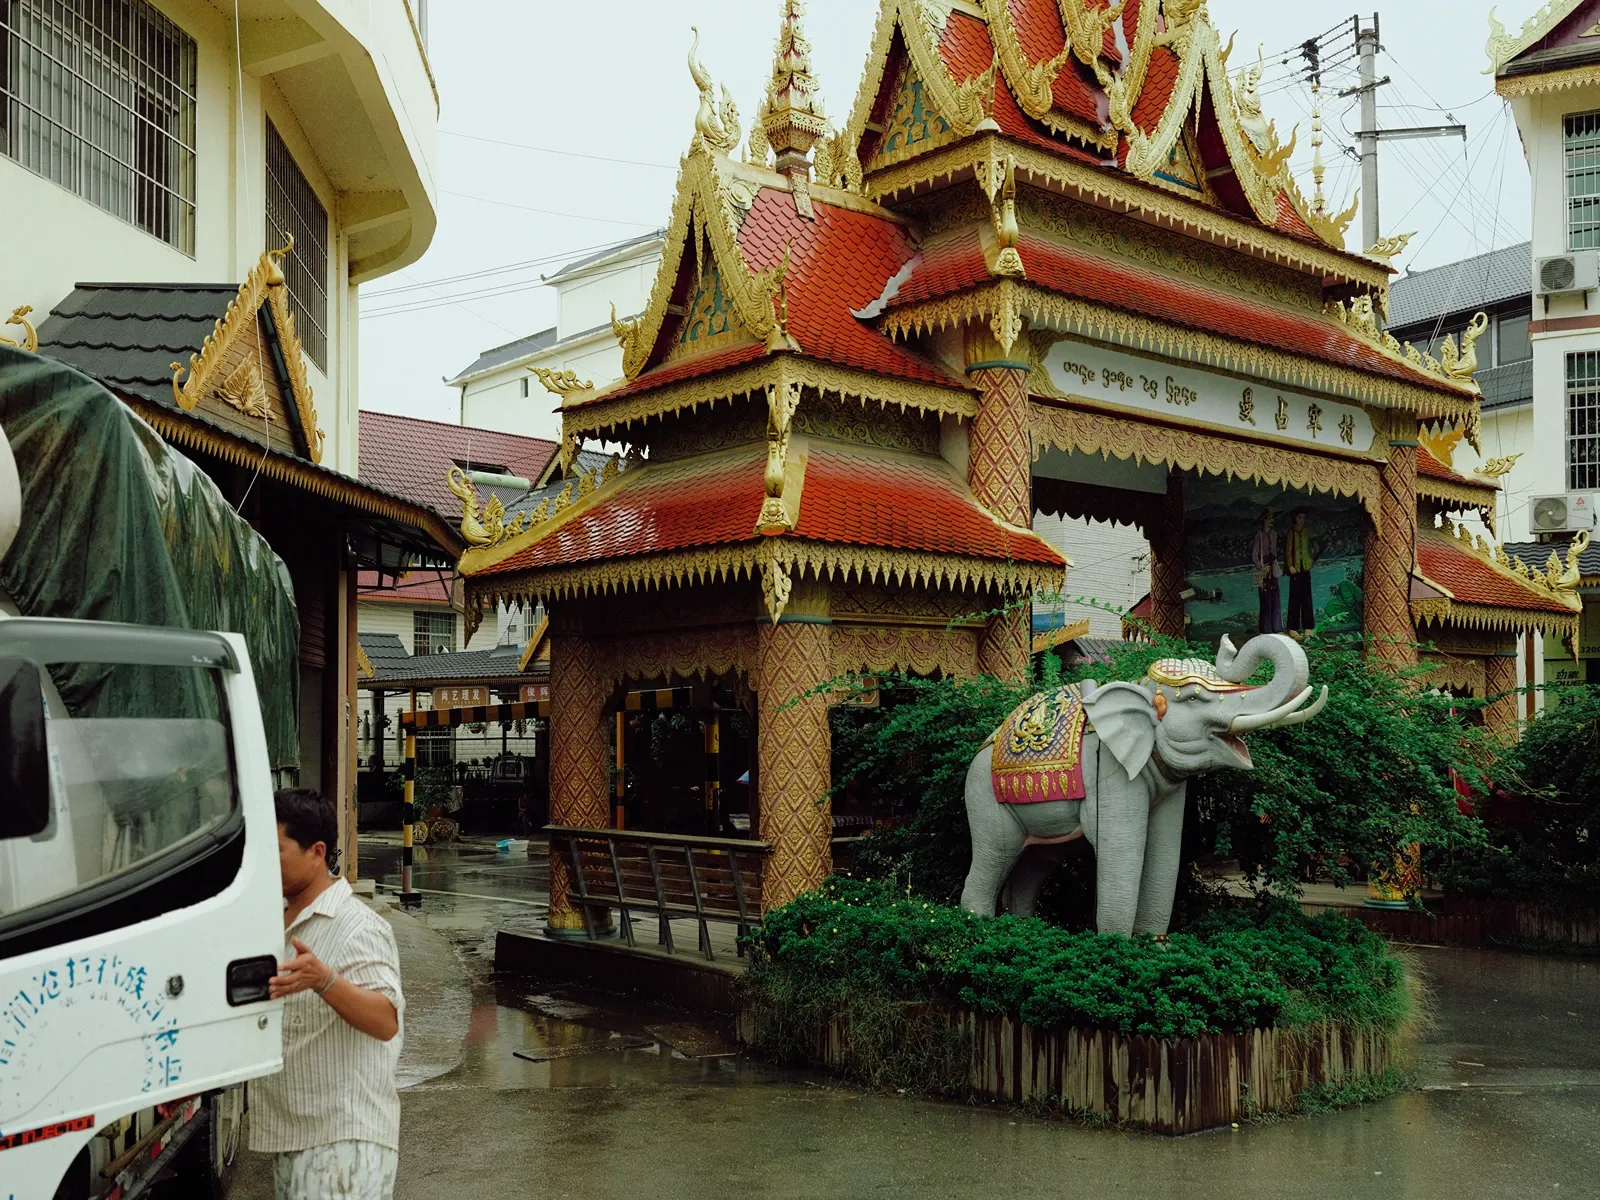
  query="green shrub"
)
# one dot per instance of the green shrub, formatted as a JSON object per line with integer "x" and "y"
{"x": 1548, "y": 795}
{"x": 1243, "y": 966}
{"x": 1333, "y": 797}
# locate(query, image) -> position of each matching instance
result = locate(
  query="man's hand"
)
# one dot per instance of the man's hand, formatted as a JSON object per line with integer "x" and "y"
{"x": 304, "y": 972}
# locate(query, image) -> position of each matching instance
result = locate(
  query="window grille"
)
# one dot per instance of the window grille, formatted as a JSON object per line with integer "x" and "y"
{"x": 436, "y": 747}
{"x": 99, "y": 97}
{"x": 1514, "y": 345}
{"x": 1583, "y": 421}
{"x": 1583, "y": 180}
{"x": 293, "y": 208}
{"x": 433, "y": 632}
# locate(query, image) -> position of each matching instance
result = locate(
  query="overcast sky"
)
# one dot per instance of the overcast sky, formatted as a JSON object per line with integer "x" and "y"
{"x": 561, "y": 125}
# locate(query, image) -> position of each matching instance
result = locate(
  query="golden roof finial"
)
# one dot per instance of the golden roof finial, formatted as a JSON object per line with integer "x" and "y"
{"x": 791, "y": 115}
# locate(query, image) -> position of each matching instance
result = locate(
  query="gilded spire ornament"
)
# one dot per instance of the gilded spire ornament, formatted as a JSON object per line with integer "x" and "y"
{"x": 715, "y": 129}
{"x": 791, "y": 115}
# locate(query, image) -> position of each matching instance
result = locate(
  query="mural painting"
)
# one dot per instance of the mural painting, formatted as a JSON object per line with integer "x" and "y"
{"x": 1266, "y": 560}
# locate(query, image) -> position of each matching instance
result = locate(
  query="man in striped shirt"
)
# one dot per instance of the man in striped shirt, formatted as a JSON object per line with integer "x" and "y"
{"x": 332, "y": 1117}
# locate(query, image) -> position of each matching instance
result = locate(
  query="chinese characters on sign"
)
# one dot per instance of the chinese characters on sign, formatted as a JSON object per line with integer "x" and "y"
{"x": 535, "y": 693}
{"x": 460, "y": 697}
{"x": 1087, "y": 371}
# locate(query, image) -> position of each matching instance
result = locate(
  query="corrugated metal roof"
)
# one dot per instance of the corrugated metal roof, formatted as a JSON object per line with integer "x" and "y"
{"x": 579, "y": 264}
{"x": 1506, "y": 385}
{"x": 499, "y": 356}
{"x": 1461, "y": 287}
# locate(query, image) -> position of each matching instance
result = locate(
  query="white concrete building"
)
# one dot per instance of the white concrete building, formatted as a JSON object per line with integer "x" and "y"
{"x": 159, "y": 140}
{"x": 500, "y": 391}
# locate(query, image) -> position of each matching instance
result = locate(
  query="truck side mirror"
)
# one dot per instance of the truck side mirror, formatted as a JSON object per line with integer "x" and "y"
{"x": 24, "y": 756}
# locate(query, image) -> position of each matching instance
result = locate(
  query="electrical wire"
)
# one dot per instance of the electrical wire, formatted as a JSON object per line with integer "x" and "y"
{"x": 547, "y": 212}
{"x": 543, "y": 260}
{"x": 626, "y": 162}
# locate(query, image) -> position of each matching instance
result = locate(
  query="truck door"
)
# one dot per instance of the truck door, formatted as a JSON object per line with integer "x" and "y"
{"x": 132, "y": 971}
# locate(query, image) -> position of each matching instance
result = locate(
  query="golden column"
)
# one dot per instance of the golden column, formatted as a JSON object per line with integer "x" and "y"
{"x": 1000, "y": 473}
{"x": 579, "y": 756}
{"x": 1392, "y": 547}
{"x": 794, "y": 748}
{"x": 1500, "y": 686}
{"x": 1168, "y": 564}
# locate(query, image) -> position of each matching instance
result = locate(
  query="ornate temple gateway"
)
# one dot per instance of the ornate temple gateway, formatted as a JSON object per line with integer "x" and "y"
{"x": 1054, "y": 260}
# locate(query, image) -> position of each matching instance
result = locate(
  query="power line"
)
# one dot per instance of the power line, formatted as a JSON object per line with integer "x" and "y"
{"x": 547, "y": 212}
{"x": 627, "y": 162}
{"x": 542, "y": 261}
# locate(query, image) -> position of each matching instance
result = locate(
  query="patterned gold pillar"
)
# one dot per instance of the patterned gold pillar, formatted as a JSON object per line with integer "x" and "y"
{"x": 793, "y": 753}
{"x": 1392, "y": 550}
{"x": 1168, "y": 563}
{"x": 579, "y": 756}
{"x": 1000, "y": 448}
{"x": 1500, "y": 687}
{"x": 1005, "y": 647}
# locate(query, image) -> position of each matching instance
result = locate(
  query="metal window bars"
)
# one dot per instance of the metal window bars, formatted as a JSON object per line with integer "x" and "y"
{"x": 99, "y": 97}
{"x": 1583, "y": 420}
{"x": 293, "y": 209}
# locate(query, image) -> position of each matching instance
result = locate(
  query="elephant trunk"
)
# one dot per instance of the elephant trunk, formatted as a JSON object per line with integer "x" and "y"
{"x": 1289, "y": 670}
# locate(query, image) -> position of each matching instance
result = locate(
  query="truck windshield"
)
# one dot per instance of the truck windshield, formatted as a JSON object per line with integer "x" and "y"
{"x": 148, "y": 775}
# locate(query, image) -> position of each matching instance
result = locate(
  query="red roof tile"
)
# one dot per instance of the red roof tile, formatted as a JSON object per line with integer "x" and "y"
{"x": 410, "y": 457}
{"x": 1041, "y": 36}
{"x": 850, "y": 496}
{"x": 867, "y": 499}
{"x": 1471, "y": 580}
{"x": 1070, "y": 271}
{"x": 838, "y": 263}
{"x": 1430, "y": 466}
{"x": 418, "y": 587}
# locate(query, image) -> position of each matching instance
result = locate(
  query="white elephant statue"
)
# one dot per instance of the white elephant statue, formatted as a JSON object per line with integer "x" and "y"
{"x": 1110, "y": 762}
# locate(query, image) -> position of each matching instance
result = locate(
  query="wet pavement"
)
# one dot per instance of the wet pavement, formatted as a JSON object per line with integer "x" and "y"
{"x": 518, "y": 1088}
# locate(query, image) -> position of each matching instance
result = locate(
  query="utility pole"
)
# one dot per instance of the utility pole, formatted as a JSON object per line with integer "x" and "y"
{"x": 1369, "y": 135}
{"x": 1367, "y": 48}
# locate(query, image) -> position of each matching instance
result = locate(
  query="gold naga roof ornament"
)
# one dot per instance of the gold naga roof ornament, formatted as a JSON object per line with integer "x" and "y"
{"x": 715, "y": 128}
{"x": 1497, "y": 468}
{"x": 264, "y": 285}
{"x": 482, "y": 525}
{"x": 1387, "y": 249}
{"x": 999, "y": 183}
{"x": 1502, "y": 47}
{"x": 30, "y": 336}
{"x": 566, "y": 383}
{"x": 1033, "y": 84}
{"x": 777, "y": 516}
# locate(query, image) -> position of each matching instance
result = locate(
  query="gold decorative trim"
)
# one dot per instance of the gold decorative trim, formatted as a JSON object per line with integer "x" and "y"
{"x": 1510, "y": 87}
{"x": 562, "y": 383}
{"x": 779, "y": 510}
{"x": 778, "y": 370}
{"x": 1077, "y": 431}
{"x": 190, "y": 431}
{"x": 1114, "y": 190}
{"x": 30, "y": 336}
{"x": 263, "y": 285}
{"x": 1502, "y": 47}
{"x": 1052, "y": 638}
{"x": 422, "y": 49}
{"x": 787, "y": 558}
{"x": 1484, "y": 499}
{"x": 1443, "y": 612}
{"x": 879, "y": 649}
{"x": 1008, "y": 299}
{"x": 704, "y": 207}
{"x": 1461, "y": 674}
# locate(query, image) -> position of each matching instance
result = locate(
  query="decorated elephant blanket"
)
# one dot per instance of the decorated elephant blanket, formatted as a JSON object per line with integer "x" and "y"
{"x": 1038, "y": 750}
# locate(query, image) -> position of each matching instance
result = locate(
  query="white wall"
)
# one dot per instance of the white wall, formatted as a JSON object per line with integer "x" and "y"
{"x": 584, "y": 300}
{"x": 58, "y": 240}
{"x": 1111, "y": 565}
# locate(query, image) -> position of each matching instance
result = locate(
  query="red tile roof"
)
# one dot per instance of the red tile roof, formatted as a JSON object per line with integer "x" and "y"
{"x": 1042, "y": 37}
{"x": 1430, "y": 466}
{"x": 419, "y": 587}
{"x": 838, "y": 263}
{"x": 868, "y": 499}
{"x": 410, "y": 457}
{"x": 1471, "y": 580}
{"x": 849, "y": 496}
{"x": 1070, "y": 271}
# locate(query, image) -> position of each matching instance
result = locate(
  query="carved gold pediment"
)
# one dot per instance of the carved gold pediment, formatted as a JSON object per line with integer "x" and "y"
{"x": 234, "y": 364}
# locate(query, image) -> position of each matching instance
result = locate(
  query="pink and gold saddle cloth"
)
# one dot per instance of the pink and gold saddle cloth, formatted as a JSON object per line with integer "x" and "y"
{"x": 1038, "y": 750}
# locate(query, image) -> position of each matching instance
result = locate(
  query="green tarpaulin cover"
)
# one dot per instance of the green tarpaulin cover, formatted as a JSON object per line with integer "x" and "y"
{"x": 118, "y": 526}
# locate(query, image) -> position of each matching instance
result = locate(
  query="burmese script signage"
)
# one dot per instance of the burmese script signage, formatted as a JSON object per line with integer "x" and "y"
{"x": 460, "y": 697}
{"x": 1206, "y": 397}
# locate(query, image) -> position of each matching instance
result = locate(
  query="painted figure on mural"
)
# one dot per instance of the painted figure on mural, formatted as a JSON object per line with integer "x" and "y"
{"x": 1268, "y": 569}
{"x": 1297, "y": 562}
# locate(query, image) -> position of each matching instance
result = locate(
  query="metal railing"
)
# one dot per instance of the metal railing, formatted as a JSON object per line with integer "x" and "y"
{"x": 669, "y": 876}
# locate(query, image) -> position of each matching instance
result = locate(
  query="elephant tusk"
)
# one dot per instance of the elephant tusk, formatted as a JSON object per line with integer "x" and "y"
{"x": 1305, "y": 714}
{"x": 1252, "y": 721}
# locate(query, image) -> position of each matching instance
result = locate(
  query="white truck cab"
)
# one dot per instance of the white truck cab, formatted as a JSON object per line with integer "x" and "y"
{"x": 140, "y": 899}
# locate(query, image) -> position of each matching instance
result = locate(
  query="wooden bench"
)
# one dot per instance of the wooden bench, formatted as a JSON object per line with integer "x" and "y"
{"x": 668, "y": 875}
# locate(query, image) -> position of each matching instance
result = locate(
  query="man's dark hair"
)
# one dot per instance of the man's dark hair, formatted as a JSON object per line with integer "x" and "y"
{"x": 307, "y": 818}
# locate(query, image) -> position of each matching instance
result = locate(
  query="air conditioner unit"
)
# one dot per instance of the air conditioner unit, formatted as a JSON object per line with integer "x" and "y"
{"x": 1563, "y": 514}
{"x": 1562, "y": 274}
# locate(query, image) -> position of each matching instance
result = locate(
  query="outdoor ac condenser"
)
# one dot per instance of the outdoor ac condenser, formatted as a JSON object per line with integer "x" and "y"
{"x": 1563, "y": 514}
{"x": 1562, "y": 274}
